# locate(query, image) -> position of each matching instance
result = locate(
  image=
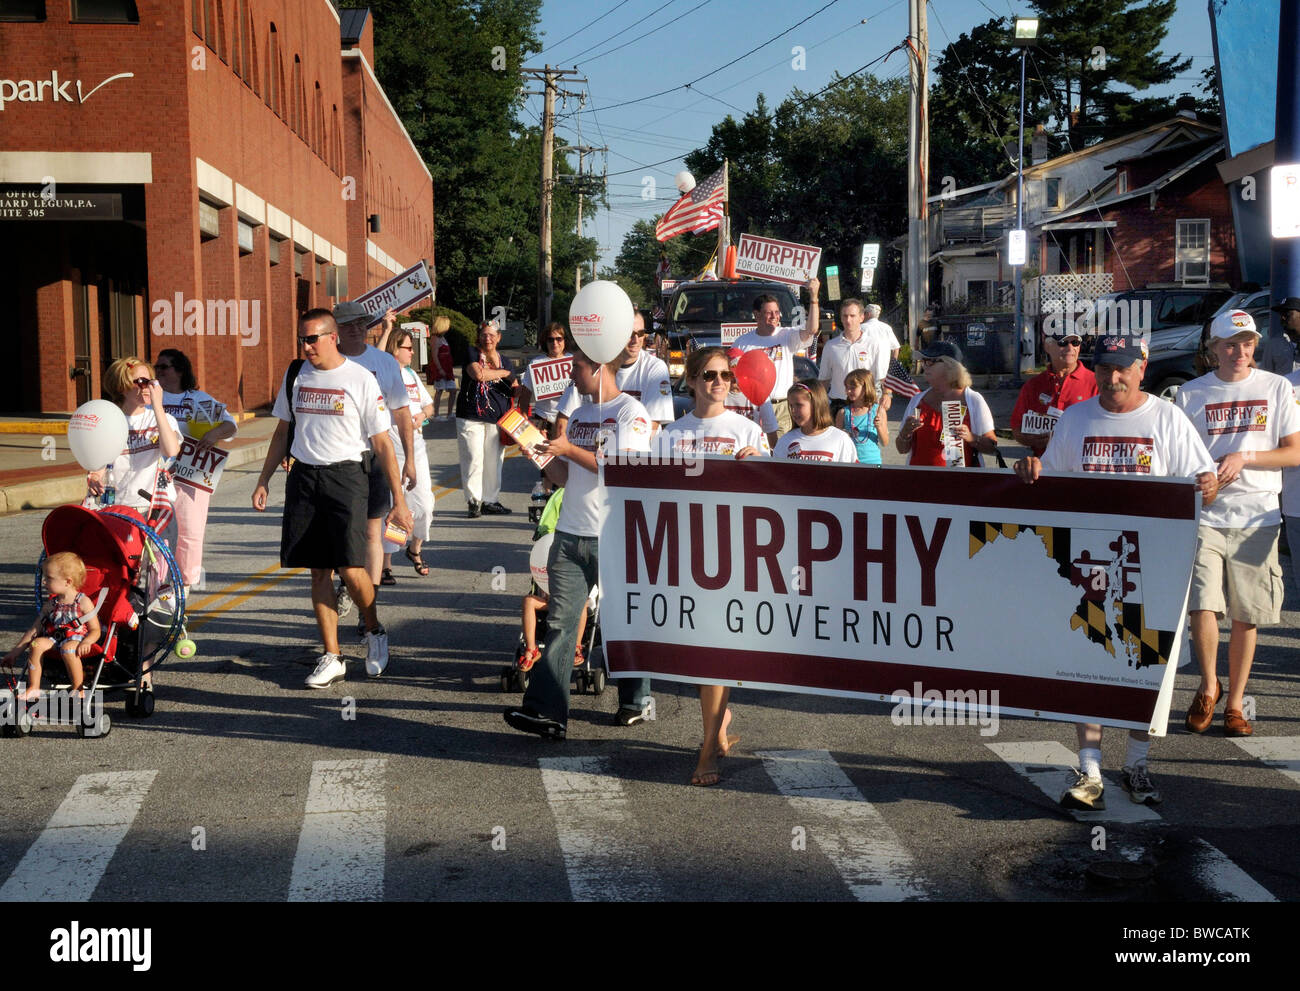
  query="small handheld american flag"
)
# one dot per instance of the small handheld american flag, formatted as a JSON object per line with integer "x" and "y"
{"x": 161, "y": 509}
{"x": 897, "y": 380}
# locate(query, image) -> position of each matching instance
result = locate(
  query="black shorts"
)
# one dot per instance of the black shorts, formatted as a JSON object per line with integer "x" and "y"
{"x": 324, "y": 517}
{"x": 380, "y": 498}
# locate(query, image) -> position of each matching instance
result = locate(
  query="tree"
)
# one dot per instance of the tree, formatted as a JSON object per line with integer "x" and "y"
{"x": 638, "y": 259}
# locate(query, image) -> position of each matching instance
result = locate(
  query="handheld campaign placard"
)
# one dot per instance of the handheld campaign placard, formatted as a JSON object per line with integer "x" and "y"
{"x": 550, "y": 376}
{"x": 398, "y": 293}
{"x": 200, "y": 467}
{"x": 526, "y": 435}
{"x": 751, "y": 574}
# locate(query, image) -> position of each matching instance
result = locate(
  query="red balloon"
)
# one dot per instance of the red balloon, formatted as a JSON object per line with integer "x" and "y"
{"x": 755, "y": 376}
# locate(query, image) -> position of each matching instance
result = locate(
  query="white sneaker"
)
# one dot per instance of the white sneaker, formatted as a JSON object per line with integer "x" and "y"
{"x": 329, "y": 669}
{"x": 376, "y": 652}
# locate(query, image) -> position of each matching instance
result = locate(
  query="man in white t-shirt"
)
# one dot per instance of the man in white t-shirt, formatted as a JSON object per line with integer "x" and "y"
{"x": 854, "y": 349}
{"x": 352, "y": 320}
{"x": 640, "y": 375}
{"x": 619, "y": 423}
{"x": 336, "y": 414}
{"x": 1249, "y": 422}
{"x": 781, "y": 343}
{"x": 881, "y": 331}
{"x": 1151, "y": 438}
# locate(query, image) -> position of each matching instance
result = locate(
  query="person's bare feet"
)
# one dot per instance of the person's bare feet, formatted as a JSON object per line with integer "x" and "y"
{"x": 706, "y": 771}
{"x": 31, "y": 695}
{"x": 725, "y": 742}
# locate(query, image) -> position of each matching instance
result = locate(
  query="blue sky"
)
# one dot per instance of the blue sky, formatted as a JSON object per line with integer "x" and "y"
{"x": 690, "y": 44}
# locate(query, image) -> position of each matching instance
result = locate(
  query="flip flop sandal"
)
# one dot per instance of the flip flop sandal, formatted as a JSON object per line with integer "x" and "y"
{"x": 421, "y": 568}
{"x": 387, "y": 577}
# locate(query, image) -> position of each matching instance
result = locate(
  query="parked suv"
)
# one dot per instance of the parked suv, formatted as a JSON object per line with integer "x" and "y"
{"x": 1177, "y": 315}
{"x": 696, "y": 311}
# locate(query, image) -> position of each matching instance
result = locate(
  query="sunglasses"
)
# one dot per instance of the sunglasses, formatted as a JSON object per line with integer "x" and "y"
{"x": 555, "y": 340}
{"x": 1069, "y": 342}
{"x": 716, "y": 374}
{"x": 141, "y": 382}
{"x": 311, "y": 339}
{"x": 405, "y": 347}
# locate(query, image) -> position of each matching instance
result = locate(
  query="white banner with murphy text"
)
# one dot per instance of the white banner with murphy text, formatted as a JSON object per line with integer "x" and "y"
{"x": 947, "y": 586}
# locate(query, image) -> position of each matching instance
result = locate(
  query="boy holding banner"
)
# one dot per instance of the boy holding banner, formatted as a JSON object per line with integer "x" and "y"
{"x": 1124, "y": 431}
{"x": 612, "y": 423}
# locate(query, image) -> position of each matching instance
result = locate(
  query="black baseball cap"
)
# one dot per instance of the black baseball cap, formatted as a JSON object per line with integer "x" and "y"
{"x": 1290, "y": 303}
{"x": 942, "y": 349}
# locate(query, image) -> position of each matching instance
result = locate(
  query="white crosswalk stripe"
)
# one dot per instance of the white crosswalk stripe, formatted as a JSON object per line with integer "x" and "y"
{"x": 1280, "y": 752}
{"x": 847, "y": 828}
{"x": 341, "y": 847}
{"x": 592, "y": 819}
{"x": 71, "y": 855}
{"x": 1047, "y": 764}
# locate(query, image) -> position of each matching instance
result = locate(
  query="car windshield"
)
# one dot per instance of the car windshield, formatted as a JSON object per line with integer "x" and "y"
{"x": 715, "y": 305}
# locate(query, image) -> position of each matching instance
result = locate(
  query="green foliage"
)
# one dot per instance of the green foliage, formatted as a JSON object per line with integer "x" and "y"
{"x": 460, "y": 335}
{"x": 638, "y": 260}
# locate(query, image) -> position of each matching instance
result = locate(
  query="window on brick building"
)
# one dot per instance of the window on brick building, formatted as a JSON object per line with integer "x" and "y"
{"x": 236, "y": 48}
{"x": 242, "y": 39}
{"x": 272, "y": 67}
{"x": 209, "y": 25}
{"x": 246, "y": 234}
{"x": 209, "y": 221}
{"x": 318, "y": 125}
{"x": 252, "y": 78}
{"x": 273, "y": 244}
{"x": 22, "y": 10}
{"x": 221, "y": 33}
{"x": 1192, "y": 251}
{"x": 105, "y": 12}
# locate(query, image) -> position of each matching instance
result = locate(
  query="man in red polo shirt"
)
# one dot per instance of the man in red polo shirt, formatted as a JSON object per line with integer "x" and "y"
{"x": 1046, "y": 396}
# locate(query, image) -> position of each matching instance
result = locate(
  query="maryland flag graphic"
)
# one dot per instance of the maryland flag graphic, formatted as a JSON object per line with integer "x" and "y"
{"x": 1106, "y": 568}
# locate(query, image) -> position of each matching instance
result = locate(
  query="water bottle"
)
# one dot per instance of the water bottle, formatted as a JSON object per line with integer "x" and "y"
{"x": 110, "y": 489}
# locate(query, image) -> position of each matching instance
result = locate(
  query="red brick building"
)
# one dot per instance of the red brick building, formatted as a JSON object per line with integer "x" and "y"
{"x": 192, "y": 174}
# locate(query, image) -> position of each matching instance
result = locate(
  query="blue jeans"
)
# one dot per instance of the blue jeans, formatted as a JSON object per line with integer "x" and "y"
{"x": 572, "y": 570}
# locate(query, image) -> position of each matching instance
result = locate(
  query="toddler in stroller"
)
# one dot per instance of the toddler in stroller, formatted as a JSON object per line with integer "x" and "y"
{"x": 67, "y": 623}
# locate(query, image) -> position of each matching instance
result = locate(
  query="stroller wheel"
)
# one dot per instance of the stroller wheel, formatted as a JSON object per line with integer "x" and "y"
{"x": 186, "y": 648}
{"x": 100, "y": 728}
{"x": 140, "y": 705}
{"x": 23, "y": 724}
{"x": 597, "y": 681}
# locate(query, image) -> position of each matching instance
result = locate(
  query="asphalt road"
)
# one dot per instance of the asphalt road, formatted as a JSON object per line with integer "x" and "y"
{"x": 245, "y": 786}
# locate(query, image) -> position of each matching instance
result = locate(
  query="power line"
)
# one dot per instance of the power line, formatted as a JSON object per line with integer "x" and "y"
{"x": 583, "y": 28}
{"x": 639, "y": 37}
{"x": 623, "y": 31}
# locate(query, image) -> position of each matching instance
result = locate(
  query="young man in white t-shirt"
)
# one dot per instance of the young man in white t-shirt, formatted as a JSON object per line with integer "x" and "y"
{"x": 1248, "y": 419}
{"x": 1152, "y": 439}
{"x": 618, "y": 423}
{"x": 337, "y": 413}
{"x": 781, "y": 343}
{"x": 352, "y": 320}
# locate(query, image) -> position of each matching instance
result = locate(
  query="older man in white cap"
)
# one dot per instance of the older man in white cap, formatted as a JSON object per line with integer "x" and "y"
{"x": 353, "y": 319}
{"x": 1250, "y": 423}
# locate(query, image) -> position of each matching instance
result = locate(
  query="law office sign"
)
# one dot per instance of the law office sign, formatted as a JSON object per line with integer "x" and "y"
{"x": 42, "y": 203}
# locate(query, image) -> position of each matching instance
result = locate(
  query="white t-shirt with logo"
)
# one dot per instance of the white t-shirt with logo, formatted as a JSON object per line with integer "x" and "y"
{"x": 335, "y": 412}
{"x": 646, "y": 380}
{"x": 136, "y": 467}
{"x": 624, "y": 425}
{"x": 1155, "y": 440}
{"x": 781, "y": 348}
{"x": 841, "y": 356}
{"x": 832, "y": 444}
{"x": 1291, "y": 476}
{"x": 1251, "y": 415}
{"x": 725, "y": 433}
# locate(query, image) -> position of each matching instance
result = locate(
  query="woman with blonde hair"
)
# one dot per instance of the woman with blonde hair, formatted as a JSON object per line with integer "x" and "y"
{"x": 923, "y": 436}
{"x": 441, "y": 373}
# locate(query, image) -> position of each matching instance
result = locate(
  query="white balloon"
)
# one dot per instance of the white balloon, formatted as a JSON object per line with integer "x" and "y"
{"x": 537, "y": 559}
{"x": 600, "y": 319}
{"x": 685, "y": 181}
{"x": 97, "y": 433}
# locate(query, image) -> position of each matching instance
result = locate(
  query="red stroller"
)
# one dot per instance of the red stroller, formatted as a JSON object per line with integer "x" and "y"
{"x": 141, "y": 611}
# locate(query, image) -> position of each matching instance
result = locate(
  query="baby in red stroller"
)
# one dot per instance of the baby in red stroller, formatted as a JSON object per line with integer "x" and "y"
{"x": 67, "y": 623}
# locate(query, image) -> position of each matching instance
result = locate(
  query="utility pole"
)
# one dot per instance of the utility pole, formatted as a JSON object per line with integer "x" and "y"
{"x": 583, "y": 183}
{"x": 918, "y": 156}
{"x": 549, "y": 77}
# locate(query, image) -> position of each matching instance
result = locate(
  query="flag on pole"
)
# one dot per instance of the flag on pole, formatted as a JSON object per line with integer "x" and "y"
{"x": 698, "y": 211}
{"x": 897, "y": 380}
{"x": 161, "y": 509}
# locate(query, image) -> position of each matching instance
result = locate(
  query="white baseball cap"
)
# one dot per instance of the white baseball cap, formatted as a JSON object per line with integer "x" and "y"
{"x": 1230, "y": 323}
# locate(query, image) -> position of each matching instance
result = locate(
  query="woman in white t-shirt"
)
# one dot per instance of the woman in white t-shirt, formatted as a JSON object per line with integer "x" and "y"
{"x": 150, "y": 440}
{"x": 401, "y": 345}
{"x": 813, "y": 437}
{"x": 712, "y": 429}
{"x": 208, "y": 423}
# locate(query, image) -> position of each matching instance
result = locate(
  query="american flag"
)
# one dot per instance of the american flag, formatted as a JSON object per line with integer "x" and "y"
{"x": 897, "y": 380}
{"x": 698, "y": 211}
{"x": 160, "y": 503}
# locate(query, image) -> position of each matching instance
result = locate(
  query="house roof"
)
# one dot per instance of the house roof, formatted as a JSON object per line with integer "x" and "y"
{"x": 1207, "y": 152}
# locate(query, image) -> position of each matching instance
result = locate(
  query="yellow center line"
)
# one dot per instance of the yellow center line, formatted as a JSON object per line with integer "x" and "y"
{"x": 213, "y": 614}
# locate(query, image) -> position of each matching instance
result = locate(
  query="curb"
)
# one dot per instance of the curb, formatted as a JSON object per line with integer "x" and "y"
{"x": 65, "y": 489}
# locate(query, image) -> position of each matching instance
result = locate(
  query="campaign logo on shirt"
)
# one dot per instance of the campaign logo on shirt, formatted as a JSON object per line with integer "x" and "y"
{"x": 141, "y": 440}
{"x": 864, "y": 358}
{"x": 327, "y": 402}
{"x": 584, "y": 434}
{"x": 664, "y": 388}
{"x": 1237, "y": 417}
{"x": 1122, "y": 455}
{"x": 413, "y": 392}
{"x": 690, "y": 443}
{"x": 797, "y": 453}
{"x": 639, "y": 425}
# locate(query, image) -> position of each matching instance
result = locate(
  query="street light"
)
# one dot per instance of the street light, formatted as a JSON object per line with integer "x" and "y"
{"x": 1024, "y": 37}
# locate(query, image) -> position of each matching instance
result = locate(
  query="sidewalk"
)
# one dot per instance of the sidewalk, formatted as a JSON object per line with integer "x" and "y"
{"x": 37, "y": 469}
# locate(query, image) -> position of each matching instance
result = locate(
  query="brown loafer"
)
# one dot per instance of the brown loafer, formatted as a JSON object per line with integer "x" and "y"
{"x": 1201, "y": 713}
{"x": 1235, "y": 724}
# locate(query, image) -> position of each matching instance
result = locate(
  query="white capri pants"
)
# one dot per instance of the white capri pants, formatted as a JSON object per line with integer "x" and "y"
{"x": 419, "y": 500}
{"x": 480, "y": 460}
